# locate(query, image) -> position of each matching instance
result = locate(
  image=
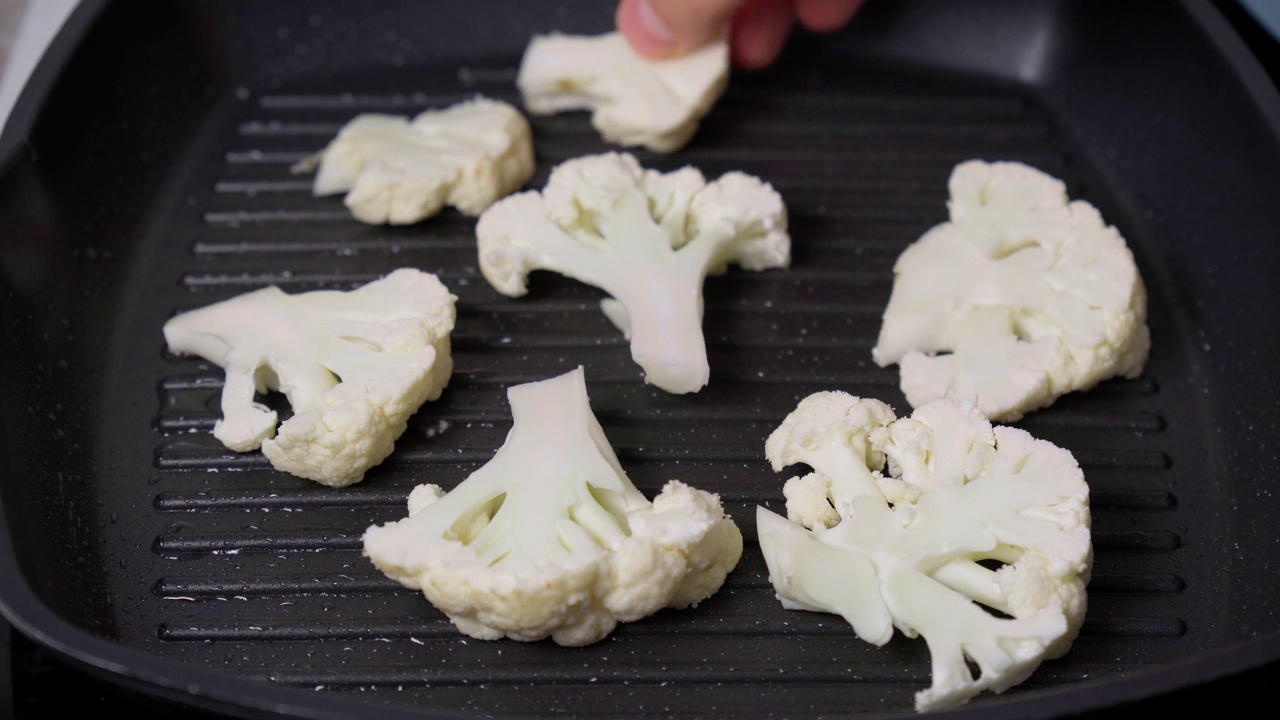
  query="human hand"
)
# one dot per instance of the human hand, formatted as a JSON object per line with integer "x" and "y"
{"x": 757, "y": 29}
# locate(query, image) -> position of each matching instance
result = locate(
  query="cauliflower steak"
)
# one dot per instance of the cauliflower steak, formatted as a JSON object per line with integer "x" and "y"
{"x": 399, "y": 171}
{"x": 634, "y": 101}
{"x": 646, "y": 238}
{"x": 967, "y": 516}
{"x": 1022, "y": 297}
{"x": 550, "y": 538}
{"x": 354, "y": 366}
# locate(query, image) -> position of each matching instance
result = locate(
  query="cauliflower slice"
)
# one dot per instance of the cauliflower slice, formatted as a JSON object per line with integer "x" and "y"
{"x": 354, "y": 366}
{"x": 646, "y": 238}
{"x": 399, "y": 172}
{"x": 1021, "y": 298}
{"x": 635, "y": 101}
{"x": 550, "y": 538}
{"x": 920, "y": 562}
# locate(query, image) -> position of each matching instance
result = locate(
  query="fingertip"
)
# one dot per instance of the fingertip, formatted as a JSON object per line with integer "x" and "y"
{"x": 660, "y": 29}
{"x": 755, "y": 56}
{"x": 760, "y": 31}
{"x": 644, "y": 29}
{"x": 826, "y": 15}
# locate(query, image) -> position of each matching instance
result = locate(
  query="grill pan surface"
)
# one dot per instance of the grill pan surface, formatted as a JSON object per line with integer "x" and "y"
{"x": 155, "y": 178}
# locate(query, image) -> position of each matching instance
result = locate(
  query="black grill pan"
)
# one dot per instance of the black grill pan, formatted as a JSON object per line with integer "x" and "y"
{"x": 148, "y": 172}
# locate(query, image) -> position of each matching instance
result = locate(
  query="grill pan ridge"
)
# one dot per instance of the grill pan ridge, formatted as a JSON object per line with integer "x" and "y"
{"x": 152, "y": 554}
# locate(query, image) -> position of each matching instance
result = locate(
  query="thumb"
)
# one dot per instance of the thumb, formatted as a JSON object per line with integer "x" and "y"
{"x": 666, "y": 28}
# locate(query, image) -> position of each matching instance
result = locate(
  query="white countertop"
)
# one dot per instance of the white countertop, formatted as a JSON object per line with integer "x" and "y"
{"x": 29, "y": 26}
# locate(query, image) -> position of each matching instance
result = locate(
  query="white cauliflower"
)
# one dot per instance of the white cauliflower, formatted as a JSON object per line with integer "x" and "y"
{"x": 646, "y": 238}
{"x": 829, "y": 427}
{"x": 966, "y": 496}
{"x": 550, "y": 538}
{"x": 1021, "y": 298}
{"x": 636, "y": 101}
{"x": 354, "y": 366}
{"x": 399, "y": 172}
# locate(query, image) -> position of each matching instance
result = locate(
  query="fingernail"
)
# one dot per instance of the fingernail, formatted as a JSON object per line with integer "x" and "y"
{"x": 653, "y": 24}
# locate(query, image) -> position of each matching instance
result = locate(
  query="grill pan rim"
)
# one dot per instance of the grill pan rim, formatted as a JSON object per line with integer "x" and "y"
{"x": 213, "y": 690}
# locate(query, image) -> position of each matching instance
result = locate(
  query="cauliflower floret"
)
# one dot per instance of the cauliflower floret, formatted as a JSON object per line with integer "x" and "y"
{"x": 809, "y": 501}
{"x": 833, "y": 427}
{"x": 423, "y": 497}
{"x": 646, "y": 238}
{"x": 1021, "y": 298}
{"x": 354, "y": 366}
{"x": 635, "y": 101}
{"x": 550, "y": 538}
{"x": 981, "y": 495}
{"x": 399, "y": 172}
{"x": 938, "y": 448}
